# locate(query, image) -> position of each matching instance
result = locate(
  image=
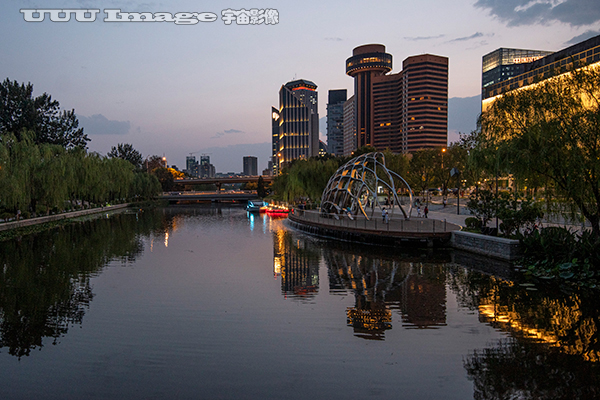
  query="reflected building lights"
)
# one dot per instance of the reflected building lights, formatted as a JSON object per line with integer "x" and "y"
{"x": 565, "y": 327}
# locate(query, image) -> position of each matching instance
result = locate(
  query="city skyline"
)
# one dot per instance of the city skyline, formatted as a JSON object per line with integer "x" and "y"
{"x": 175, "y": 89}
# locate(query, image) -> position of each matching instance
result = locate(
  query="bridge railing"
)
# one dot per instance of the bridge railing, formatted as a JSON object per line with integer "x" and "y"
{"x": 394, "y": 224}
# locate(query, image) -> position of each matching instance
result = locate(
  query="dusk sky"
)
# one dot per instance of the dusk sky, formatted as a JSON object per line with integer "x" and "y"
{"x": 208, "y": 88}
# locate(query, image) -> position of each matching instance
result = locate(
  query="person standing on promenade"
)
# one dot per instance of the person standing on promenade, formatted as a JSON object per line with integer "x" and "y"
{"x": 383, "y": 214}
{"x": 426, "y": 211}
{"x": 419, "y": 211}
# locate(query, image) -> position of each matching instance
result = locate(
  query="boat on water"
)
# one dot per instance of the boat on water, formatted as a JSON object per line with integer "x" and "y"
{"x": 277, "y": 211}
{"x": 256, "y": 206}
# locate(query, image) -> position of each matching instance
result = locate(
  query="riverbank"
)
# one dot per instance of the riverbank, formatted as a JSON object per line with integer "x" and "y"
{"x": 12, "y": 229}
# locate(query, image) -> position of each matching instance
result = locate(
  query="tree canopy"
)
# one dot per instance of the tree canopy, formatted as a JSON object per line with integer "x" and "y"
{"x": 550, "y": 131}
{"x": 126, "y": 152}
{"x": 20, "y": 111}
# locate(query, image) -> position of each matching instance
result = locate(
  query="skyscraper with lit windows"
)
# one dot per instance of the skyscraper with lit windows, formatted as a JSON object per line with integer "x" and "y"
{"x": 402, "y": 112}
{"x": 295, "y": 123}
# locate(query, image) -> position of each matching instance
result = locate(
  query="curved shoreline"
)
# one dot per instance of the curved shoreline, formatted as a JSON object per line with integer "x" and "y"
{"x": 415, "y": 231}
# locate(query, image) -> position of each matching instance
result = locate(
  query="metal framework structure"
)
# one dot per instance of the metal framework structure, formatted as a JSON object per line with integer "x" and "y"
{"x": 355, "y": 185}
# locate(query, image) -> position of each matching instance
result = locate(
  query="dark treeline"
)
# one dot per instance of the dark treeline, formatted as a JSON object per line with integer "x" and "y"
{"x": 44, "y": 163}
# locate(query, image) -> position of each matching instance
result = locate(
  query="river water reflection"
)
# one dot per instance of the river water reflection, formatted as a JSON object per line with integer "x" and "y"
{"x": 215, "y": 303}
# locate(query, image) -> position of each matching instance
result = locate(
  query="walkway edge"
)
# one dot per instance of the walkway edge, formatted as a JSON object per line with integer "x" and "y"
{"x": 5, "y": 226}
{"x": 377, "y": 237}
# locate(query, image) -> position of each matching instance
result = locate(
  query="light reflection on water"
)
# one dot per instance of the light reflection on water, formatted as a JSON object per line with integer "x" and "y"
{"x": 213, "y": 302}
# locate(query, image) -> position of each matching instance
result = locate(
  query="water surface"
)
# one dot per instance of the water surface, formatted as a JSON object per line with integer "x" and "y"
{"x": 215, "y": 303}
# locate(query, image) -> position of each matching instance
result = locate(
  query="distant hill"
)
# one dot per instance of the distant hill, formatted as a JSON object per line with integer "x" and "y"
{"x": 462, "y": 115}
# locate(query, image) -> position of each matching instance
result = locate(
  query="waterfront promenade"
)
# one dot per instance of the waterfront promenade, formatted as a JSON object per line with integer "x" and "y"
{"x": 397, "y": 229}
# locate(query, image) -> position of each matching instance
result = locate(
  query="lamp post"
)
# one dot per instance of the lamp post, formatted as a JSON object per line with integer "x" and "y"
{"x": 443, "y": 181}
{"x": 456, "y": 172}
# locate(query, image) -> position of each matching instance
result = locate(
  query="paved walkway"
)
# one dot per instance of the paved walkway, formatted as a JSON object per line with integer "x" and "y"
{"x": 449, "y": 213}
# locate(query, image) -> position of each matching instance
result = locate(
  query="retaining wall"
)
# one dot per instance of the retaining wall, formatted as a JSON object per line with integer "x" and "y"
{"x": 491, "y": 246}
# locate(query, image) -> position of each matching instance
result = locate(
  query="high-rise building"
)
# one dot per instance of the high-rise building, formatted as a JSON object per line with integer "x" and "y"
{"x": 335, "y": 121}
{"x": 207, "y": 170}
{"x": 191, "y": 166}
{"x": 586, "y": 53}
{"x": 298, "y": 123}
{"x": 274, "y": 139}
{"x": 367, "y": 61}
{"x": 402, "y": 112}
{"x": 425, "y": 102}
{"x": 349, "y": 126}
{"x": 250, "y": 166}
{"x": 503, "y": 64}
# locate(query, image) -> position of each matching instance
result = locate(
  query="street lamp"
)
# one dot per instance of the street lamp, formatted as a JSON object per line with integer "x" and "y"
{"x": 443, "y": 181}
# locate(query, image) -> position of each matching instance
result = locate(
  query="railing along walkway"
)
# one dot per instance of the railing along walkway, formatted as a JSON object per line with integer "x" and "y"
{"x": 394, "y": 225}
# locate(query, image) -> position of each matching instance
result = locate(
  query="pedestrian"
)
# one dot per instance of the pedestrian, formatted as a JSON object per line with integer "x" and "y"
{"x": 444, "y": 202}
{"x": 383, "y": 214}
{"x": 386, "y": 218}
{"x": 426, "y": 211}
{"x": 419, "y": 211}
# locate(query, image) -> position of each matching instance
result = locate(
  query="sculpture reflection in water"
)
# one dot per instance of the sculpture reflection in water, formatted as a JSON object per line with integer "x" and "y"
{"x": 45, "y": 280}
{"x": 362, "y": 184}
{"x": 380, "y": 284}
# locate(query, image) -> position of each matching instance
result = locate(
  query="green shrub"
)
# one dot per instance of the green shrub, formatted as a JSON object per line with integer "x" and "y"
{"x": 6, "y": 216}
{"x": 557, "y": 252}
{"x": 473, "y": 223}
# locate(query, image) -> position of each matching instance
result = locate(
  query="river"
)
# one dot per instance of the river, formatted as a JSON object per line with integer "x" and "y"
{"x": 214, "y": 303}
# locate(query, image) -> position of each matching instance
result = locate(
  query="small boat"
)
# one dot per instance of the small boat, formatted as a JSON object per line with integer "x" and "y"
{"x": 277, "y": 211}
{"x": 254, "y": 206}
{"x": 258, "y": 206}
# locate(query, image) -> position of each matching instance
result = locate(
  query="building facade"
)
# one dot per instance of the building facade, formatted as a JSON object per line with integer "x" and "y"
{"x": 586, "y": 53}
{"x": 402, "y": 112}
{"x": 274, "y": 140}
{"x": 207, "y": 170}
{"x": 367, "y": 62}
{"x": 250, "y": 166}
{"x": 191, "y": 166}
{"x": 335, "y": 121}
{"x": 298, "y": 123}
{"x": 349, "y": 126}
{"x": 425, "y": 102}
{"x": 503, "y": 64}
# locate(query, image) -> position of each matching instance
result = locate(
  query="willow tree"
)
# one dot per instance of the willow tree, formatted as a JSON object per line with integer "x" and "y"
{"x": 304, "y": 179}
{"x": 552, "y": 130}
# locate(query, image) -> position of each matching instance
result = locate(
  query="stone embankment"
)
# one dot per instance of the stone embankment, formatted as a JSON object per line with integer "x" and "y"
{"x": 57, "y": 217}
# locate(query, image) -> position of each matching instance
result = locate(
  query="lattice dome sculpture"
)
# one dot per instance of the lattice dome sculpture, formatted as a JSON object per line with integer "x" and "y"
{"x": 354, "y": 188}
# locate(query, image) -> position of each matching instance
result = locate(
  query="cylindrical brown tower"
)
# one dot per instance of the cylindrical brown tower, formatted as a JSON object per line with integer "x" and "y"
{"x": 367, "y": 61}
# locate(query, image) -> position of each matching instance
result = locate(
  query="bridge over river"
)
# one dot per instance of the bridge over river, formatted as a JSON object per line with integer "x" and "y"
{"x": 214, "y": 196}
{"x": 267, "y": 179}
